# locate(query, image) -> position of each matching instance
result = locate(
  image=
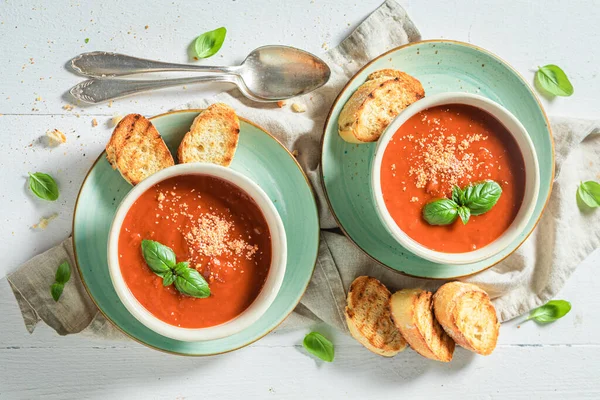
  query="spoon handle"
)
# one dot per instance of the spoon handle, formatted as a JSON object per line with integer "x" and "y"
{"x": 101, "y": 64}
{"x": 99, "y": 90}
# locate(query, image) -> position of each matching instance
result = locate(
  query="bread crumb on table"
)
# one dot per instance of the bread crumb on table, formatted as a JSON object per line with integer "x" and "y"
{"x": 281, "y": 103}
{"x": 295, "y": 153}
{"x": 298, "y": 107}
{"x": 94, "y": 122}
{"x": 68, "y": 107}
{"x": 116, "y": 119}
{"x": 56, "y": 137}
{"x": 43, "y": 224}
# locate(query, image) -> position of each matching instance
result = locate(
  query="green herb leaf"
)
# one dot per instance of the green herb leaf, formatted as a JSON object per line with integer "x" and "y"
{"x": 588, "y": 193}
{"x": 456, "y": 195}
{"x": 159, "y": 257}
{"x": 168, "y": 278}
{"x": 440, "y": 212}
{"x": 550, "y": 312}
{"x": 87, "y": 40}
{"x": 191, "y": 283}
{"x": 181, "y": 267}
{"x": 319, "y": 346}
{"x": 161, "y": 260}
{"x": 553, "y": 80}
{"x": 481, "y": 197}
{"x": 56, "y": 290}
{"x": 464, "y": 213}
{"x": 209, "y": 43}
{"x": 43, "y": 186}
{"x": 63, "y": 273}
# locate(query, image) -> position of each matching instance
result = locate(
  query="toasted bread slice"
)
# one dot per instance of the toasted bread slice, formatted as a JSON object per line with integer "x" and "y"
{"x": 368, "y": 317}
{"x": 467, "y": 314}
{"x": 413, "y": 315}
{"x": 212, "y": 138}
{"x": 137, "y": 150}
{"x": 376, "y": 103}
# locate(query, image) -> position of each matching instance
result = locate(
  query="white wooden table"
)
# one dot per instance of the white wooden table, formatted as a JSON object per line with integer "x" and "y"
{"x": 559, "y": 361}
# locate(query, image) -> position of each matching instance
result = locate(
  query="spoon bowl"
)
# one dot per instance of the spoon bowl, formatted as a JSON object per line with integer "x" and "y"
{"x": 275, "y": 73}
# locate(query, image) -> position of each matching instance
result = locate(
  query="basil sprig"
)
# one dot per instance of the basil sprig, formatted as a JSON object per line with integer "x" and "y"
{"x": 475, "y": 199}
{"x": 550, "y": 312}
{"x": 552, "y": 79}
{"x": 63, "y": 274}
{"x": 161, "y": 260}
{"x": 43, "y": 186}
{"x": 209, "y": 43}
{"x": 588, "y": 194}
{"x": 319, "y": 346}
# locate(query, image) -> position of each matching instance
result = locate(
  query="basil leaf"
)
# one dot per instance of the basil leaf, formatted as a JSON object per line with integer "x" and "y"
{"x": 209, "y": 43}
{"x": 588, "y": 193}
{"x": 464, "y": 213}
{"x": 553, "y": 80}
{"x": 191, "y": 283}
{"x": 456, "y": 195}
{"x": 181, "y": 267}
{"x": 56, "y": 290}
{"x": 159, "y": 257}
{"x": 481, "y": 197}
{"x": 63, "y": 273}
{"x": 168, "y": 278}
{"x": 551, "y": 311}
{"x": 440, "y": 212}
{"x": 43, "y": 186}
{"x": 319, "y": 346}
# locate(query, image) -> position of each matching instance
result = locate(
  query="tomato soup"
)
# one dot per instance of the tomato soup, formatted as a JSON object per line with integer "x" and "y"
{"x": 445, "y": 146}
{"x": 213, "y": 225}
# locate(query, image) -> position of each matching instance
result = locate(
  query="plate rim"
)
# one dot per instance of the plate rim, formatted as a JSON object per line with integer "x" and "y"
{"x": 346, "y": 87}
{"x": 78, "y": 268}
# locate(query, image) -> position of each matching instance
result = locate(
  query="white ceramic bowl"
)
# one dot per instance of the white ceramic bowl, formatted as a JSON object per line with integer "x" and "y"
{"x": 532, "y": 180}
{"x": 274, "y": 277}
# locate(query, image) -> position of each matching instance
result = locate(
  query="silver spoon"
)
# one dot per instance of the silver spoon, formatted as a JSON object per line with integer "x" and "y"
{"x": 269, "y": 73}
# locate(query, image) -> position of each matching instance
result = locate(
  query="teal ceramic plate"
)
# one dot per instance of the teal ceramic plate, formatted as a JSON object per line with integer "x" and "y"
{"x": 261, "y": 158}
{"x": 441, "y": 66}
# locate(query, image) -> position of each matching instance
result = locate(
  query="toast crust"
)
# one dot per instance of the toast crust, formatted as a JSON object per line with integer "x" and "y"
{"x": 376, "y": 103}
{"x": 368, "y": 317}
{"x": 137, "y": 150}
{"x": 467, "y": 314}
{"x": 413, "y": 315}
{"x": 212, "y": 138}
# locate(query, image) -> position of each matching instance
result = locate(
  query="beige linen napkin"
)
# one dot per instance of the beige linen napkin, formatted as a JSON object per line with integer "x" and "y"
{"x": 530, "y": 277}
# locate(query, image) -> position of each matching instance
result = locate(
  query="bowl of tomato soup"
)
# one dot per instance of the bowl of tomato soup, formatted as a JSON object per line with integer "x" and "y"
{"x": 213, "y": 221}
{"x": 448, "y": 141}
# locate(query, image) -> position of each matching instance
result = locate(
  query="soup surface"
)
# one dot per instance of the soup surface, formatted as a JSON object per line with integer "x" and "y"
{"x": 212, "y": 224}
{"x": 445, "y": 146}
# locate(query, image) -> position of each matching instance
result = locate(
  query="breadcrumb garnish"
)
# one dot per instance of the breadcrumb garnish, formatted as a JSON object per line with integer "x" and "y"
{"x": 43, "y": 224}
{"x": 298, "y": 107}
{"x": 56, "y": 137}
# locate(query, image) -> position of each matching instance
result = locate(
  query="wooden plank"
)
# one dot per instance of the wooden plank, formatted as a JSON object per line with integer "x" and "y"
{"x": 513, "y": 372}
{"x": 35, "y": 65}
